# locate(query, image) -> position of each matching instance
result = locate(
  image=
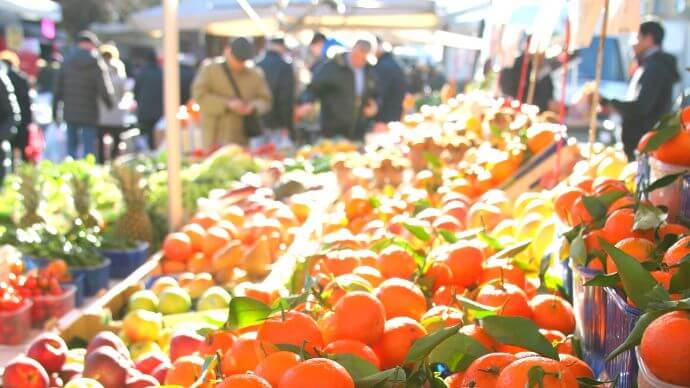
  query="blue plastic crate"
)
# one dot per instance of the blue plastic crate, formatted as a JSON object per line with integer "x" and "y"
{"x": 124, "y": 262}
{"x": 620, "y": 320}
{"x": 589, "y": 304}
{"x": 95, "y": 278}
{"x": 78, "y": 281}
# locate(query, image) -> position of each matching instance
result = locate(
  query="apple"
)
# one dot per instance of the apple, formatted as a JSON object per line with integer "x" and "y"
{"x": 162, "y": 283}
{"x": 213, "y": 298}
{"x": 161, "y": 371}
{"x": 141, "y": 348}
{"x": 24, "y": 372}
{"x": 142, "y": 325}
{"x": 174, "y": 300}
{"x": 76, "y": 356}
{"x": 71, "y": 371}
{"x": 55, "y": 380}
{"x": 150, "y": 361}
{"x": 50, "y": 350}
{"x": 184, "y": 343}
{"x": 107, "y": 366}
{"x": 83, "y": 382}
{"x": 108, "y": 339}
{"x": 142, "y": 381}
{"x": 143, "y": 299}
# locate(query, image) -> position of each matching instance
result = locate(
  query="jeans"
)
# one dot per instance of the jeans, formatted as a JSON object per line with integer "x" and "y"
{"x": 85, "y": 134}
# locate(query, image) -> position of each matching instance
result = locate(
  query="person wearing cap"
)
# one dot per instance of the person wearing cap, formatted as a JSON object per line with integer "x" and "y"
{"x": 82, "y": 82}
{"x": 281, "y": 81}
{"x": 347, "y": 89}
{"x": 222, "y": 110}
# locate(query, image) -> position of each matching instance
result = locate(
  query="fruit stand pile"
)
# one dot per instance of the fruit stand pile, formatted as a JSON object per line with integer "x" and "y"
{"x": 451, "y": 251}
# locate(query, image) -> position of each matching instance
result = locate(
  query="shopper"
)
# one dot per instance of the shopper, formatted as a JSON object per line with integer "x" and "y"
{"x": 346, "y": 88}
{"x": 392, "y": 84}
{"x": 10, "y": 117}
{"x": 543, "y": 90}
{"x": 112, "y": 120}
{"x": 148, "y": 93}
{"x": 229, "y": 115}
{"x": 321, "y": 49}
{"x": 20, "y": 83}
{"x": 651, "y": 87}
{"x": 82, "y": 82}
{"x": 281, "y": 80}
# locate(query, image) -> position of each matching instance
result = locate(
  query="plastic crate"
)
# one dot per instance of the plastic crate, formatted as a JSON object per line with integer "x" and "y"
{"x": 15, "y": 326}
{"x": 620, "y": 320}
{"x": 80, "y": 285}
{"x": 124, "y": 262}
{"x": 589, "y": 304}
{"x": 95, "y": 278}
{"x": 46, "y": 307}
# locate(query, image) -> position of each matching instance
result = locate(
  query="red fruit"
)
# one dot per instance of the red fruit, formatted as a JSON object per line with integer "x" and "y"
{"x": 142, "y": 381}
{"x": 49, "y": 350}
{"x": 107, "y": 366}
{"x": 465, "y": 261}
{"x": 291, "y": 327}
{"x": 150, "y": 361}
{"x": 161, "y": 372}
{"x": 185, "y": 344}
{"x": 108, "y": 339}
{"x": 511, "y": 299}
{"x": 24, "y": 372}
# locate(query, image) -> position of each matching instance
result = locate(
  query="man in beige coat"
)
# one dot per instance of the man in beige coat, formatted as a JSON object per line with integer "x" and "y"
{"x": 222, "y": 110}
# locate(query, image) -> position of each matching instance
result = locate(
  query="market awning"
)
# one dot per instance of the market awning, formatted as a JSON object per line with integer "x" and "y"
{"x": 226, "y": 17}
{"x": 32, "y": 10}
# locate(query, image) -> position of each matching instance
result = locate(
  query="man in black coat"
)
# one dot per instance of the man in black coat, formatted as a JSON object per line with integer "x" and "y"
{"x": 346, "y": 87}
{"x": 148, "y": 92}
{"x": 650, "y": 92}
{"x": 83, "y": 81}
{"x": 391, "y": 84}
{"x": 20, "y": 82}
{"x": 10, "y": 116}
{"x": 281, "y": 80}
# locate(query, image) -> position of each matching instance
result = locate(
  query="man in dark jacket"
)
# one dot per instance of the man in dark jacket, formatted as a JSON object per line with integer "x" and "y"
{"x": 391, "y": 83}
{"x": 148, "y": 92}
{"x": 83, "y": 81}
{"x": 10, "y": 116}
{"x": 543, "y": 89}
{"x": 20, "y": 82}
{"x": 651, "y": 87}
{"x": 281, "y": 81}
{"x": 346, "y": 87}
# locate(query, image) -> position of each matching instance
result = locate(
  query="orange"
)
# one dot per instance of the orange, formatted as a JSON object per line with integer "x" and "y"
{"x": 395, "y": 262}
{"x": 243, "y": 381}
{"x": 449, "y": 223}
{"x": 185, "y": 370}
{"x": 620, "y": 203}
{"x": 677, "y": 229}
{"x": 553, "y": 336}
{"x": 206, "y": 220}
{"x": 455, "y": 380}
{"x": 639, "y": 248}
{"x": 564, "y": 202}
{"x": 675, "y": 150}
{"x": 273, "y": 367}
{"x": 576, "y": 366}
{"x": 478, "y": 333}
{"x": 227, "y": 258}
{"x": 244, "y": 355}
{"x": 566, "y": 346}
{"x": 216, "y": 237}
{"x": 510, "y": 298}
{"x": 445, "y": 296}
{"x": 516, "y": 374}
{"x": 552, "y": 312}
{"x": 619, "y": 225}
{"x": 465, "y": 261}
{"x": 579, "y": 213}
{"x": 582, "y": 182}
{"x": 177, "y": 246}
{"x": 592, "y": 240}
{"x": 401, "y": 298}
{"x": 316, "y": 373}
{"x": 336, "y": 288}
{"x": 196, "y": 234}
{"x": 198, "y": 263}
{"x": 439, "y": 274}
{"x": 685, "y": 118}
{"x": 397, "y": 338}
{"x": 370, "y": 274}
{"x": 603, "y": 185}
{"x": 539, "y": 138}
{"x": 291, "y": 327}
{"x": 503, "y": 270}
{"x": 358, "y": 316}
{"x": 677, "y": 252}
{"x": 484, "y": 371}
{"x": 340, "y": 262}
{"x": 439, "y": 317}
{"x": 355, "y": 348}
{"x": 229, "y": 227}
{"x": 512, "y": 349}
{"x": 665, "y": 348}
{"x": 256, "y": 291}
{"x": 217, "y": 341}
{"x": 170, "y": 266}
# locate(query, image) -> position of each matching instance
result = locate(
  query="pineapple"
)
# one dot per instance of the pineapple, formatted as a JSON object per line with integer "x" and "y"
{"x": 30, "y": 191}
{"x": 134, "y": 224}
{"x": 82, "y": 202}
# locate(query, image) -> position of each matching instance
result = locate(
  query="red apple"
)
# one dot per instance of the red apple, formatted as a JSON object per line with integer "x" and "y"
{"x": 150, "y": 361}
{"x": 184, "y": 344}
{"x": 142, "y": 381}
{"x": 107, "y": 366}
{"x": 50, "y": 350}
{"x": 55, "y": 381}
{"x": 109, "y": 339}
{"x": 456, "y": 209}
{"x": 70, "y": 371}
{"x": 161, "y": 372}
{"x": 24, "y": 372}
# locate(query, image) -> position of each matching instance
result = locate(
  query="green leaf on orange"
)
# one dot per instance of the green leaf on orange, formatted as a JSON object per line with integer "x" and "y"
{"x": 417, "y": 230}
{"x": 518, "y": 331}
{"x": 457, "y": 352}
{"x": 667, "y": 127}
{"x": 357, "y": 367}
{"x": 421, "y": 348}
{"x": 244, "y": 312}
{"x": 392, "y": 377}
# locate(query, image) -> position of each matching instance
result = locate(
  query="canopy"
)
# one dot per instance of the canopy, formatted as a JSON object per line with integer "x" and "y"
{"x": 227, "y": 17}
{"x": 33, "y": 10}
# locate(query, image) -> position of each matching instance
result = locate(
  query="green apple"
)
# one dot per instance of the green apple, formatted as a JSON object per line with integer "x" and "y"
{"x": 214, "y": 298}
{"x": 140, "y": 348}
{"x": 83, "y": 382}
{"x": 143, "y": 299}
{"x": 174, "y": 300}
